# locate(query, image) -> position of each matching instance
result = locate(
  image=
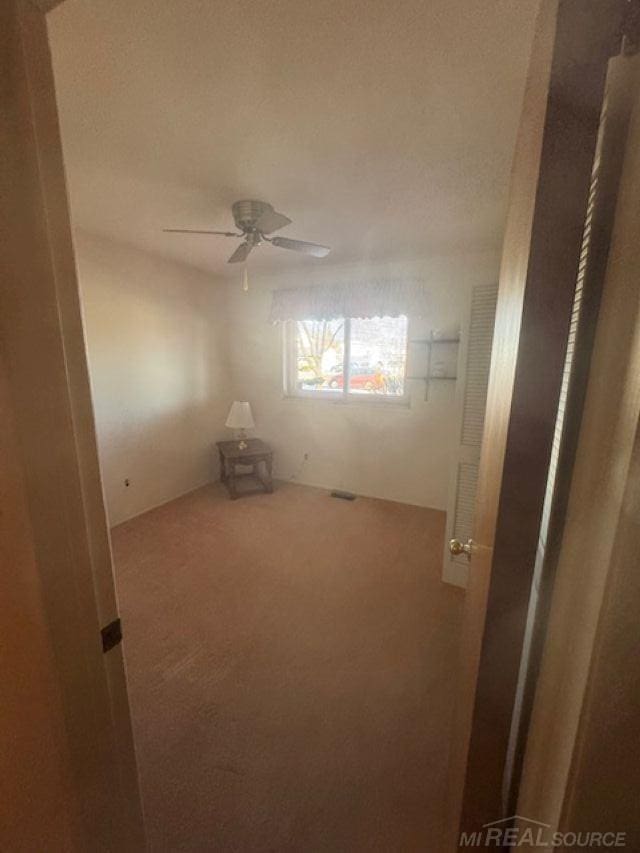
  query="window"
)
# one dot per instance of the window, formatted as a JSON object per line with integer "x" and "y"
{"x": 355, "y": 358}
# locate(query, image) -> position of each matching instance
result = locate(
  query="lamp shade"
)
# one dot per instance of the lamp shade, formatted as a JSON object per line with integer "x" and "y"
{"x": 240, "y": 416}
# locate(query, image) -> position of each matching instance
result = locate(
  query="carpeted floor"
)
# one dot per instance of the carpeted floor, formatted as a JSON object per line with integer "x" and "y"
{"x": 291, "y": 660}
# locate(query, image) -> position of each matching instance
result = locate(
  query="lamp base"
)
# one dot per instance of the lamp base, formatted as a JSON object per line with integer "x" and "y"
{"x": 242, "y": 445}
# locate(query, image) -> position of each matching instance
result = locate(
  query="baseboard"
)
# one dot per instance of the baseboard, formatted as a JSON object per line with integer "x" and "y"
{"x": 137, "y": 514}
{"x": 297, "y": 481}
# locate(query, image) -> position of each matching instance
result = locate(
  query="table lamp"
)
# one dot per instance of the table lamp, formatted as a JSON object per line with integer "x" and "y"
{"x": 240, "y": 418}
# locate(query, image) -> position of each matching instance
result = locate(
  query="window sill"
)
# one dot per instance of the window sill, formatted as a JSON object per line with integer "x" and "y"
{"x": 403, "y": 402}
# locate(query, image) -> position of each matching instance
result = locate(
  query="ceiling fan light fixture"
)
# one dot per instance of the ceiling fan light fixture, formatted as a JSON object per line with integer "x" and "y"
{"x": 255, "y": 220}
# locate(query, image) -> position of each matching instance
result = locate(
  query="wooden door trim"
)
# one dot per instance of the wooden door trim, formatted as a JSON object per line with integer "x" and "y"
{"x": 43, "y": 343}
{"x": 580, "y": 766}
{"x": 556, "y": 144}
{"x": 614, "y": 128}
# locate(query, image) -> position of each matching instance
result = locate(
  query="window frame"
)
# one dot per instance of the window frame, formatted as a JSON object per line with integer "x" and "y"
{"x": 343, "y": 395}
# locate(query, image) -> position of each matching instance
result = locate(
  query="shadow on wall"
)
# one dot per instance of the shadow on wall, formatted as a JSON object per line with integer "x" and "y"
{"x": 167, "y": 457}
{"x": 157, "y": 346}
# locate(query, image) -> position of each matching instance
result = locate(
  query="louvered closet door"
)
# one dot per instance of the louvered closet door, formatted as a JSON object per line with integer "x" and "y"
{"x": 475, "y": 360}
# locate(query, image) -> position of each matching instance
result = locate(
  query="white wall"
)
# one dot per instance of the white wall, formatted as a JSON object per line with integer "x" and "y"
{"x": 156, "y": 341}
{"x": 388, "y": 451}
{"x": 170, "y": 347}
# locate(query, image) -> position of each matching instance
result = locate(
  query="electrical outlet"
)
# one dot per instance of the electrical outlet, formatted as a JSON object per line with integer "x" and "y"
{"x": 306, "y": 457}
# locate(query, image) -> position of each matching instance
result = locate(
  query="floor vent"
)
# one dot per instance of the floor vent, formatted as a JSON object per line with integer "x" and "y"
{"x": 344, "y": 496}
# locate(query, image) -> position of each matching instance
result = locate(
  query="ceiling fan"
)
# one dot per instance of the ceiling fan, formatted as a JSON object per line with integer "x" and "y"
{"x": 255, "y": 220}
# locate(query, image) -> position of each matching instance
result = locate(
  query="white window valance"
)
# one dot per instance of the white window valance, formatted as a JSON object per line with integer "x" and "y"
{"x": 384, "y": 298}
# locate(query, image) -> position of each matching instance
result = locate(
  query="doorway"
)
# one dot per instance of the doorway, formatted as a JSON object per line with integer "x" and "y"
{"x": 206, "y": 306}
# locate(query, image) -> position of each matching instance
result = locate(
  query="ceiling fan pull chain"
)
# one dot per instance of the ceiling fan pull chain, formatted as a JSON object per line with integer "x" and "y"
{"x": 245, "y": 279}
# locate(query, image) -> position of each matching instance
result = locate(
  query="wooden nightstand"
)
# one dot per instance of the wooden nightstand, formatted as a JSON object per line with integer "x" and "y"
{"x": 256, "y": 454}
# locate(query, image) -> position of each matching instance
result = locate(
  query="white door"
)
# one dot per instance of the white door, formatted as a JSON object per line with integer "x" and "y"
{"x": 475, "y": 361}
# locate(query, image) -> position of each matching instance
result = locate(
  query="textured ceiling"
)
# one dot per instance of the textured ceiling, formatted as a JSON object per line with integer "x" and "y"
{"x": 383, "y": 129}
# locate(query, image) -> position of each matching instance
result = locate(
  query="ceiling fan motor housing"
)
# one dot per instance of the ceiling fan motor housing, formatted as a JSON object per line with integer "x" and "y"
{"x": 247, "y": 213}
{"x": 255, "y": 220}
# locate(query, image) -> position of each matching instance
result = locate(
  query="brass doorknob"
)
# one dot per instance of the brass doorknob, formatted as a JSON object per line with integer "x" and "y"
{"x": 457, "y": 547}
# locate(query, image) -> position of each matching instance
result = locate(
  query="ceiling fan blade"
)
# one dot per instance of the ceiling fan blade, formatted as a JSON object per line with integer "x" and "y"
{"x": 271, "y": 221}
{"x": 189, "y": 231}
{"x": 240, "y": 254}
{"x": 301, "y": 246}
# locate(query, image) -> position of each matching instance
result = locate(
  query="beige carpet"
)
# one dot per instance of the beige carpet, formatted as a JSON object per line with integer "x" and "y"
{"x": 291, "y": 661}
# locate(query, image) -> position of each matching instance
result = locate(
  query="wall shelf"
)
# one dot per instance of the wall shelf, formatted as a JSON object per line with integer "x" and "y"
{"x": 447, "y": 371}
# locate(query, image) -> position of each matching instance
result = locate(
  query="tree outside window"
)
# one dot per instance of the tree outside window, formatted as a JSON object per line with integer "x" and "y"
{"x": 351, "y": 356}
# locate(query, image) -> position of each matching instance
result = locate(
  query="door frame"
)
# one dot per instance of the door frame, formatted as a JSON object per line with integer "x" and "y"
{"x": 42, "y": 337}
{"x": 622, "y": 81}
{"x": 548, "y": 202}
{"x": 580, "y": 766}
